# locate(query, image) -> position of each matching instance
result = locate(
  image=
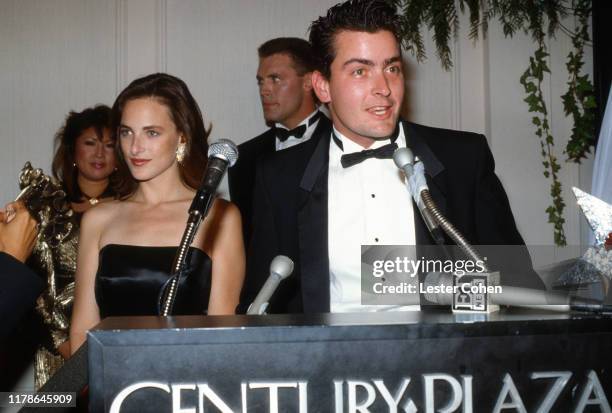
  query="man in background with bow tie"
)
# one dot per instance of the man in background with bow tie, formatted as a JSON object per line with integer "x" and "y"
{"x": 320, "y": 202}
{"x": 289, "y": 108}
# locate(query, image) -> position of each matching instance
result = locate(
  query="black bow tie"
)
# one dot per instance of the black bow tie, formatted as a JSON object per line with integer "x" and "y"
{"x": 384, "y": 152}
{"x": 283, "y": 134}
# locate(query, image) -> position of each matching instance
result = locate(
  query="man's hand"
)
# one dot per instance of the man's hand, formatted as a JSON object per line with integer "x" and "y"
{"x": 17, "y": 231}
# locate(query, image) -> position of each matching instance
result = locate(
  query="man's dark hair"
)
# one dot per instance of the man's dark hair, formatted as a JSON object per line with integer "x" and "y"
{"x": 299, "y": 50}
{"x": 369, "y": 16}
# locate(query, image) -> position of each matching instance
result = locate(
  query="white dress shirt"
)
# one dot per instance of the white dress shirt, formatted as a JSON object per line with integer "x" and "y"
{"x": 292, "y": 140}
{"x": 368, "y": 204}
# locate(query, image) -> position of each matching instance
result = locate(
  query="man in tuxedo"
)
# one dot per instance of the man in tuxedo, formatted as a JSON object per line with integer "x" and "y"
{"x": 321, "y": 201}
{"x": 289, "y": 107}
{"x": 19, "y": 286}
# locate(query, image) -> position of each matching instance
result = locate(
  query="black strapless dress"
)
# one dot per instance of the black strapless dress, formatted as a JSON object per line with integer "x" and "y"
{"x": 129, "y": 280}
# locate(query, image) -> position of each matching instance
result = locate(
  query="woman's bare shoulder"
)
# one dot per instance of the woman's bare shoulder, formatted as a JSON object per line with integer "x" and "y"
{"x": 102, "y": 214}
{"x": 225, "y": 211}
{"x": 223, "y": 219}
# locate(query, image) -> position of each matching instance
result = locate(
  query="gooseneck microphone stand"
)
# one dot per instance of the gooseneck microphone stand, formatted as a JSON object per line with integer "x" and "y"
{"x": 168, "y": 294}
{"x": 221, "y": 154}
{"x": 450, "y": 230}
{"x": 404, "y": 159}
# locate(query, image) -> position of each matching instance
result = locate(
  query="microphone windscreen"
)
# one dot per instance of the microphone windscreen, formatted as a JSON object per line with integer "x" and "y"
{"x": 403, "y": 157}
{"x": 281, "y": 265}
{"x": 224, "y": 149}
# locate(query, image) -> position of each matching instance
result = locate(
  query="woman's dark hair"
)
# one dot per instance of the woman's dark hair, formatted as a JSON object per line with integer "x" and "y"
{"x": 369, "y": 16}
{"x": 184, "y": 111}
{"x": 98, "y": 118}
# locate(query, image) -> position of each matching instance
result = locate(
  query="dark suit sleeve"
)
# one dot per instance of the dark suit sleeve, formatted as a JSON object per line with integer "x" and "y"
{"x": 492, "y": 205}
{"x": 241, "y": 178}
{"x": 19, "y": 287}
{"x": 263, "y": 242}
{"x": 496, "y": 229}
{"x": 240, "y": 181}
{"x": 232, "y": 178}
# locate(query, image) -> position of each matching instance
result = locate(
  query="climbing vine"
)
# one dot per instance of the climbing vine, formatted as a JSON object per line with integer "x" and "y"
{"x": 542, "y": 19}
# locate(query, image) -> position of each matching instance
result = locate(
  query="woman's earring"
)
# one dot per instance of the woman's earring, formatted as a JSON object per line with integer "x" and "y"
{"x": 180, "y": 152}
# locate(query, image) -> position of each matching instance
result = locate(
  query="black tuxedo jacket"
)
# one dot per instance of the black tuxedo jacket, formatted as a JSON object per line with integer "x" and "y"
{"x": 241, "y": 176}
{"x": 19, "y": 287}
{"x": 290, "y": 210}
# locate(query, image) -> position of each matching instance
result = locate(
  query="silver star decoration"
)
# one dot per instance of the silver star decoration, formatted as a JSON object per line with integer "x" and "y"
{"x": 597, "y": 213}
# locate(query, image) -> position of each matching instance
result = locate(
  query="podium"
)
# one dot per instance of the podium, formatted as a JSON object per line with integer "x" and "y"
{"x": 424, "y": 361}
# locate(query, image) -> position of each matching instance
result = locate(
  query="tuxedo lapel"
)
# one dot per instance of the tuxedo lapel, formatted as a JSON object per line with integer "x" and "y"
{"x": 434, "y": 174}
{"x": 312, "y": 226}
{"x": 313, "y": 213}
{"x": 270, "y": 141}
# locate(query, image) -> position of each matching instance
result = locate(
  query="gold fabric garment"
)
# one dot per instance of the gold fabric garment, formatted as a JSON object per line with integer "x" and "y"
{"x": 53, "y": 257}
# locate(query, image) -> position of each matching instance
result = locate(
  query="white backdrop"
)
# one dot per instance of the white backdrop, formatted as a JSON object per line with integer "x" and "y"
{"x": 61, "y": 55}
{"x": 58, "y": 55}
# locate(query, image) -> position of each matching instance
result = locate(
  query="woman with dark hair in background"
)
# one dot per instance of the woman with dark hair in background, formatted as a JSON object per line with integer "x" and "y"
{"x": 127, "y": 246}
{"x": 83, "y": 175}
{"x": 85, "y": 158}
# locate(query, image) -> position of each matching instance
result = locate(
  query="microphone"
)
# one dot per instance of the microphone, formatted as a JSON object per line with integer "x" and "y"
{"x": 220, "y": 154}
{"x": 281, "y": 267}
{"x": 417, "y": 184}
{"x": 437, "y": 287}
{"x": 415, "y": 177}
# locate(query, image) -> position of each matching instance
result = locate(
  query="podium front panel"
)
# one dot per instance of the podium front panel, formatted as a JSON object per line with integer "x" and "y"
{"x": 412, "y": 361}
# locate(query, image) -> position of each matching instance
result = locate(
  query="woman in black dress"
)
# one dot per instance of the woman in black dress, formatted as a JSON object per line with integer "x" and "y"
{"x": 127, "y": 246}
